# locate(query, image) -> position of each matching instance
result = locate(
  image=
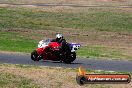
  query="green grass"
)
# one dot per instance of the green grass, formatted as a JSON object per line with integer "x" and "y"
{"x": 102, "y": 52}
{"x": 92, "y": 19}
{"x": 12, "y": 41}
{"x": 8, "y": 80}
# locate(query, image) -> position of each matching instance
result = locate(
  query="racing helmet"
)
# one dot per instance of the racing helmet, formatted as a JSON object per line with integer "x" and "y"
{"x": 59, "y": 37}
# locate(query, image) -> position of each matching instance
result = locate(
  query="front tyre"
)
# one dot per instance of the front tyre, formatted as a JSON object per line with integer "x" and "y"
{"x": 69, "y": 58}
{"x": 35, "y": 56}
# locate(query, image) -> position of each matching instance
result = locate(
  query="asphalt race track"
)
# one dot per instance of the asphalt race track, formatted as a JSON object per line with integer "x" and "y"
{"x": 69, "y": 5}
{"x": 108, "y": 65}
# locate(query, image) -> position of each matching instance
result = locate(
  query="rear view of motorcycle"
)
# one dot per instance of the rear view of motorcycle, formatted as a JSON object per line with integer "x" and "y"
{"x": 48, "y": 50}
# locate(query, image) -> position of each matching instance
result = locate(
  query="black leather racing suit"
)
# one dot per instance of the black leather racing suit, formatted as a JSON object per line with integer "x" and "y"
{"x": 64, "y": 46}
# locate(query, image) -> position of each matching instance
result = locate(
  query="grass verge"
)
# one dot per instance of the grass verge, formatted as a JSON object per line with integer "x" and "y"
{"x": 48, "y": 77}
{"x": 102, "y": 52}
{"x": 91, "y": 19}
{"x": 9, "y": 80}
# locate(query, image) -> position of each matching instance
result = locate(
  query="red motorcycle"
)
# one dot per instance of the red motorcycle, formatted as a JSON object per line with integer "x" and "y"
{"x": 48, "y": 50}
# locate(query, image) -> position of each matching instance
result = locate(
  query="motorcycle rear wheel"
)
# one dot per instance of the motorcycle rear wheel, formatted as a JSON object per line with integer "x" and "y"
{"x": 70, "y": 58}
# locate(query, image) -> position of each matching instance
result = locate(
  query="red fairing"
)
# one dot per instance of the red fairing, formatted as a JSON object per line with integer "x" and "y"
{"x": 54, "y": 45}
{"x": 39, "y": 51}
{"x": 48, "y": 55}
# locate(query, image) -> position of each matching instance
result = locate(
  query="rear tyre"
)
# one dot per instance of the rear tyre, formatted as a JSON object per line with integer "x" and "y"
{"x": 35, "y": 56}
{"x": 70, "y": 58}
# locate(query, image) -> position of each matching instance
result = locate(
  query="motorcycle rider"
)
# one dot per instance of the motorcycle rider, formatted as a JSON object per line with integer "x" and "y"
{"x": 64, "y": 46}
{"x": 60, "y": 39}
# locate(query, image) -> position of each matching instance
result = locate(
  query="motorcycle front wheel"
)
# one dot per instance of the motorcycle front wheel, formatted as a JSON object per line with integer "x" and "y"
{"x": 35, "y": 56}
